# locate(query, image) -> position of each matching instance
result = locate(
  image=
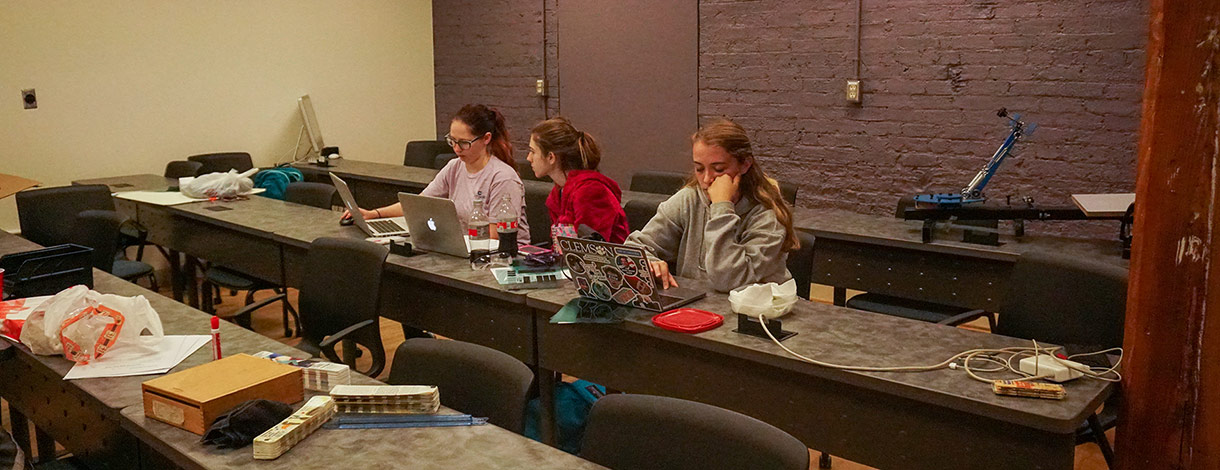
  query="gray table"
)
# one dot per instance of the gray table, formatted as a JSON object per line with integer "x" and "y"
{"x": 102, "y": 420}
{"x": 938, "y": 419}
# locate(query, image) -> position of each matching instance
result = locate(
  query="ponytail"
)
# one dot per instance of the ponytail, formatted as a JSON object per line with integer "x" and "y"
{"x": 575, "y": 149}
{"x": 481, "y": 120}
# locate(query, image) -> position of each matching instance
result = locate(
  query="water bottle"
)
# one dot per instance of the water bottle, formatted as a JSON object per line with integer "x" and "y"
{"x": 504, "y": 216}
{"x": 477, "y": 226}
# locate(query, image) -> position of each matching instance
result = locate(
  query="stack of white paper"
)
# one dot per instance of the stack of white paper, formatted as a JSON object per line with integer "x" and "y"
{"x": 408, "y": 399}
{"x": 120, "y": 363}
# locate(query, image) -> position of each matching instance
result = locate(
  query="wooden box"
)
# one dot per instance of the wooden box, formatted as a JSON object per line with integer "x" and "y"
{"x": 193, "y": 398}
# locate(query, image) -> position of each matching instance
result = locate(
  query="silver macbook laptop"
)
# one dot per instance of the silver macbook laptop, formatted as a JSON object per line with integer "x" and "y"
{"x": 619, "y": 274}
{"x": 435, "y": 227}
{"x": 386, "y": 227}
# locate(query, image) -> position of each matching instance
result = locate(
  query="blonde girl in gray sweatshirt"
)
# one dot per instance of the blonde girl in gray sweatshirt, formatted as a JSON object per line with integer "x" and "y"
{"x": 729, "y": 224}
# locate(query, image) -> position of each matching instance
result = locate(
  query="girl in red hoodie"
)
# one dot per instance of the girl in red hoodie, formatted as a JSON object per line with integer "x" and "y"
{"x": 582, "y": 195}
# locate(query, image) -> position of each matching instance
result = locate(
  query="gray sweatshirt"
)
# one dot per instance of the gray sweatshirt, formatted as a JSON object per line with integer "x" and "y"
{"x": 730, "y": 245}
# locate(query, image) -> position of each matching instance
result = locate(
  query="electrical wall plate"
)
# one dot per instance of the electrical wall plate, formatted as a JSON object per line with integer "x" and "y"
{"x": 540, "y": 87}
{"x": 853, "y": 91}
{"x": 28, "y": 99}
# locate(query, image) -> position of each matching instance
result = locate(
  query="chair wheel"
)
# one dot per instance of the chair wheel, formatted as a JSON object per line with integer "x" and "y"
{"x": 824, "y": 461}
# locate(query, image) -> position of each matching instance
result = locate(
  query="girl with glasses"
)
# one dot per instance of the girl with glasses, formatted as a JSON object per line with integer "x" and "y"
{"x": 484, "y": 165}
{"x": 729, "y": 224}
{"x": 582, "y": 195}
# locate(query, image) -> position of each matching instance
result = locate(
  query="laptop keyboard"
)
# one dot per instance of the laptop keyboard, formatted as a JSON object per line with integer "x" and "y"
{"x": 385, "y": 226}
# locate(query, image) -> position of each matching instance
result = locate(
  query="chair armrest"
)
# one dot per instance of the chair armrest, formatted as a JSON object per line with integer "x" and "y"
{"x": 257, "y": 305}
{"x": 330, "y": 341}
{"x": 963, "y": 317}
{"x": 141, "y": 231}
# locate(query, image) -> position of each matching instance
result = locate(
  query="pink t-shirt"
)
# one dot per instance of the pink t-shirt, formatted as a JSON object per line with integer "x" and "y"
{"x": 495, "y": 180}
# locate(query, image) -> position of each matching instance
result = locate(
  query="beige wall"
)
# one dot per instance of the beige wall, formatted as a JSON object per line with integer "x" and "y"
{"x": 124, "y": 87}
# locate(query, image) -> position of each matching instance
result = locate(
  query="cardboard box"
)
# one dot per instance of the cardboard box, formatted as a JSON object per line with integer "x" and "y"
{"x": 10, "y": 184}
{"x": 193, "y": 398}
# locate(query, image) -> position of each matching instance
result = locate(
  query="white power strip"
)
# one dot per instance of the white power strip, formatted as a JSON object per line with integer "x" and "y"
{"x": 1056, "y": 370}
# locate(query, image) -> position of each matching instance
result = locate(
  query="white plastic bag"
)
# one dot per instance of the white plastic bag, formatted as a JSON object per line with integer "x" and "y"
{"x": 770, "y": 299}
{"x": 229, "y": 184}
{"x": 83, "y": 325}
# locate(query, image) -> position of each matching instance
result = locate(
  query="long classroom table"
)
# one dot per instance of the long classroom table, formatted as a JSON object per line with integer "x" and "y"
{"x": 938, "y": 419}
{"x": 101, "y": 421}
{"x": 853, "y": 251}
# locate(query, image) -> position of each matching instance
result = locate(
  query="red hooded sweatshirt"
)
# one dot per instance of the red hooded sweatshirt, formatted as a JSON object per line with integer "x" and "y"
{"x": 590, "y": 198}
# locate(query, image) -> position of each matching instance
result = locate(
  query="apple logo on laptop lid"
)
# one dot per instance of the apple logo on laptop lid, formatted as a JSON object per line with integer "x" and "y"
{"x": 431, "y": 224}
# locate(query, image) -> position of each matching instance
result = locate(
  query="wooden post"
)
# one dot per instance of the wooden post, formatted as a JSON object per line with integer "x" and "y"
{"x": 1171, "y": 410}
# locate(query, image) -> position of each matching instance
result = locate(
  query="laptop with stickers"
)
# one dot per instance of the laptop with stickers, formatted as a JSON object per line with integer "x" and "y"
{"x": 619, "y": 273}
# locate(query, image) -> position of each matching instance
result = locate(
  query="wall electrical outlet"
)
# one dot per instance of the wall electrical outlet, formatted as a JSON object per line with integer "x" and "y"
{"x": 853, "y": 91}
{"x": 28, "y": 99}
{"x": 540, "y": 87}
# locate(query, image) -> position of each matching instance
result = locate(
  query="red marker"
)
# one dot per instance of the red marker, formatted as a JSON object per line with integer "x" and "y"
{"x": 215, "y": 337}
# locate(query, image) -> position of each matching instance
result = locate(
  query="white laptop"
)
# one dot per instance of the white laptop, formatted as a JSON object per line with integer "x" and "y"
{"x": 385, "y": 227}
{"x": 435, "y": 226}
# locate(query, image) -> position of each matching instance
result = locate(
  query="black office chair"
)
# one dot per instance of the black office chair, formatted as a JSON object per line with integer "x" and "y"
{"x": 788, "y": 191}
{"x": 338, "y": 300}
{"x": 99, "y": 231}
{"x": 800, "y": 264}
{"x": 222, "y": 162}
{"x": 49, "y": 216}
{"x": 134, "y": 234}
{"x": 473, "y": 379}
{"x": 1077, "y": 303}
{"x": 659, "y": 182}
{"x": 527, "y": 172}
{"x": 627, "y": 432}
{"x": 182, "y": 168}
{"x": 422, "y": 153}
{"x": 320, "y": 195}
{"x": 639, "y": 212}
{"x": 443, "y": 159}
{"x": 536, "y": 213}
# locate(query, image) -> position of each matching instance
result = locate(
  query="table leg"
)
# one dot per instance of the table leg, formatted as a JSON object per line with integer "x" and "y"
{"x": 177, "y": 277}
{"x": 547, "y": 430}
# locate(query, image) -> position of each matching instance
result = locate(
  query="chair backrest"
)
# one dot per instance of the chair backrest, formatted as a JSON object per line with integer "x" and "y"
{"x": 319, "y": 195}
{"x": 223, "y": 162}
{"x": 628, "y": 431}
{"x": 536, "y": 212}
{"x": 473, "y": 379}
{"x": 422, "y": 153}
{"x": 526, "y": 172}
{"x": 800, "y": 264}
{"x": 659, "y": 182}
{"x": 47, "y": 215}
{"x": 341, "y": 287}
{"x": 98, "y": 230}
{"x": 443, "y": 159}
{"x": 639, "y": 212}
{"x": 1064, "y": 300}
{"x": 182, "y": 168}
{"x": 788, "y": 190}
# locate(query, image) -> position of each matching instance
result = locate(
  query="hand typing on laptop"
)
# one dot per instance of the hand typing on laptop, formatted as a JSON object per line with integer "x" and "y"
{"x": 660, "y": 270}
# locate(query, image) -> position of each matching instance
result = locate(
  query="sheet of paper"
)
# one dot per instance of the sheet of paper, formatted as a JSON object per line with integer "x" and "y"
{"x": 168, "y": 198}
{"x": 120, "y": 363}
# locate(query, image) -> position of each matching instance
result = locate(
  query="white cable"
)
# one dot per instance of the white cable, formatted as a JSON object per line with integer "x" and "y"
{"x": 987, "y": 355}
{"x": 296, "y": 148}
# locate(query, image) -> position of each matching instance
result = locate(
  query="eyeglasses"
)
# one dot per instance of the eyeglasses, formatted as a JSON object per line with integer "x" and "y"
{"x": 483, "y": 259}
{"x": 461, "y": 144}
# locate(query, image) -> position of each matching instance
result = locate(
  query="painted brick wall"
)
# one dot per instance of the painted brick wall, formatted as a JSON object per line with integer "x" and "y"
{"x": 490, "y": 52}
{"x": 934, "y": 72}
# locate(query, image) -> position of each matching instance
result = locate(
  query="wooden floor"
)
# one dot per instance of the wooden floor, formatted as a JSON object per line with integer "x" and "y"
{"x": 267, "y": 322}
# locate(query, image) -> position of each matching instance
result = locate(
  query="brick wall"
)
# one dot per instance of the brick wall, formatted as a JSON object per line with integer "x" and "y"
{"x": 490, "y": 52}
{"x": 934, "y": 72}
